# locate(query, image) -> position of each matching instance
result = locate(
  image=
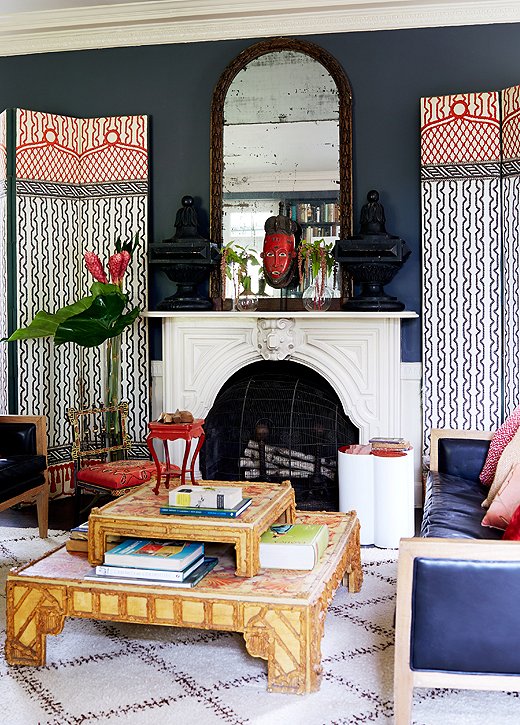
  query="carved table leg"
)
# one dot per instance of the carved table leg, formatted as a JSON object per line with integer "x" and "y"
{"x": 290, "y": 640}
{"x": 96, "y": 540}
{"x": 353, "y": 577}
{"x": 32, "y": 613}
{"x": 289, "y": 515}
{"x": 247, "y": 548}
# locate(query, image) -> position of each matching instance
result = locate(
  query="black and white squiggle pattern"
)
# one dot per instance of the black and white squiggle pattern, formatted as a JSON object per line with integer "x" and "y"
{"x": 471, "y": 263}
{"x": 461, "y": 297}
{"x": 55, "y": 223}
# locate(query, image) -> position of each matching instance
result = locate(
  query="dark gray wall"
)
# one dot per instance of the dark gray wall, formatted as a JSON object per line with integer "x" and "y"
{"x": 389, "y": 72}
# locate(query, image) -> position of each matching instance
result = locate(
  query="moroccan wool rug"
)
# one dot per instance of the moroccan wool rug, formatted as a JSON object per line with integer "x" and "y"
{"x": 138, "y": 675}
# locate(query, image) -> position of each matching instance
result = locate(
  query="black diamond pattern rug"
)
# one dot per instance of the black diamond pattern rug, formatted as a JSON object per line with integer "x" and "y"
{"x": 106, "y": 672}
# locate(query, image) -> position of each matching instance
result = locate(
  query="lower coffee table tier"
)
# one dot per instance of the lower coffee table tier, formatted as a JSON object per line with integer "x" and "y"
{"x": 279, "y": 612}
{"x": 137, "y": 515}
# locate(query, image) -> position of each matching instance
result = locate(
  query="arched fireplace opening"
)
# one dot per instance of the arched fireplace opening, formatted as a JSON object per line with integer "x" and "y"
{"x": 275, "y": 421}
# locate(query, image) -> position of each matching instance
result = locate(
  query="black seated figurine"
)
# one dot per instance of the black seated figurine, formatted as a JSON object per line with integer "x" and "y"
{"x": 372, "y": 219}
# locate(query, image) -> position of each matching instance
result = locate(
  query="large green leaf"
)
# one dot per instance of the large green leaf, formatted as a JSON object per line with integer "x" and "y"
{"x": 45, "y": 324}
{"x": 100, "y": 288}
{"x": 102, "y": 320}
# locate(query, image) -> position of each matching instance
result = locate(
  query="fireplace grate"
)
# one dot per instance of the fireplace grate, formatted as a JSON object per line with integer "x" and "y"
{"x": 274, "y": 427}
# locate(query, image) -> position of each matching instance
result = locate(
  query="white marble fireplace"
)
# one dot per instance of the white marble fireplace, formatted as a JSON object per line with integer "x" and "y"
{"x": 359, "y": 354}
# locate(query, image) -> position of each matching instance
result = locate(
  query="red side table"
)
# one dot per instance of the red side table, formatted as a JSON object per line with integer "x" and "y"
{"x": 172, "y": 432}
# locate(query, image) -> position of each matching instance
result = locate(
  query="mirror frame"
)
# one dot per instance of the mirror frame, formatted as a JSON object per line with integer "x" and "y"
{"x": 217, "y": 126}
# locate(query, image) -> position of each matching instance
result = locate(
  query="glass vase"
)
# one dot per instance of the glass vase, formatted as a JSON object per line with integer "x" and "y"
{"x": 317, "y": 297}
{"x": 112, "y": 388}
{"x": 246, "y": 301}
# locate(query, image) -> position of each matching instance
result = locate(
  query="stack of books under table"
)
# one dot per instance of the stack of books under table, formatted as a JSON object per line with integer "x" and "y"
{"x": 78, "y": 539}
{"x": 145, "y": 561}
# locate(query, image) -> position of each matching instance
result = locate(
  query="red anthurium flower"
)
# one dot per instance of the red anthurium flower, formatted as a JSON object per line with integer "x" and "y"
{"x": 114, "y": 267}
{"x": 126, "y": 257}
{"x": 95, "y": 267}
{"x": 117, "y": 265}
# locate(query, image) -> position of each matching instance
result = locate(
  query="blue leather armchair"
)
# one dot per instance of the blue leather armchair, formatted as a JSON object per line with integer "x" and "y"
{"x": 458, "y": 586}
{"x": 23, "y": 464}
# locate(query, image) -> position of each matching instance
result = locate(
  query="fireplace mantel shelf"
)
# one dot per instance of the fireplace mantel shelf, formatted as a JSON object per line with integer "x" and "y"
{"x": 406, "y": 314}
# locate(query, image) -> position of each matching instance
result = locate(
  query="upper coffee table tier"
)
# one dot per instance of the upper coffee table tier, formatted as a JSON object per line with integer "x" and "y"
{"x": 137, "y": 515}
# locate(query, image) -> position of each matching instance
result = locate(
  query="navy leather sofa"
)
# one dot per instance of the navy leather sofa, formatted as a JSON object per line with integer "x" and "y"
{"x": 454, "y": 494}
{"x": 458, "y": 586}
{"x": 23, "y": 464}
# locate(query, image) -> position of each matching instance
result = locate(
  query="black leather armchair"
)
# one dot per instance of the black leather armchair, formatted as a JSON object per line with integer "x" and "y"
{"x": 23, "y": 464}
{"x": 458, "y": 588}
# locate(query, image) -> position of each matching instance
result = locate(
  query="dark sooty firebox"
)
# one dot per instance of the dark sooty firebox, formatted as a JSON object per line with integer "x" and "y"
{"x": 276, "y": 421}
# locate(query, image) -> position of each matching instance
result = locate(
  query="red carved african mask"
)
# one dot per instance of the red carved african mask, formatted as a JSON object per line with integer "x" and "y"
{"x": 278, "y": 256}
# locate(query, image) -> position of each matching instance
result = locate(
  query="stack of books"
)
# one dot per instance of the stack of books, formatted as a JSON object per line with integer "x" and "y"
{"x": 225, "y": 501}
{"x": 78, "y": 540}
{"x": 164, "y": 563}
{"x": 390, "y": 444}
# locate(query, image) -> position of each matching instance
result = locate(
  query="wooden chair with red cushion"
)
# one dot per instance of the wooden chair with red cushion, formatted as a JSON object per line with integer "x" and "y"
{"x": 100, "y": 453}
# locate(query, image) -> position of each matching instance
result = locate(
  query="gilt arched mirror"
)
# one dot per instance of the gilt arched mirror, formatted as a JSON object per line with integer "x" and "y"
{"x": 281, "y": 133}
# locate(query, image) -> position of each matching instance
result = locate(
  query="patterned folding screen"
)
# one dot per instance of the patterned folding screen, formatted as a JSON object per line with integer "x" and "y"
{"x": 467, "y": 311}
{"x": 78, "y": 185}
{"x": 511, "y": 244}
{"x": 3, "y": 263}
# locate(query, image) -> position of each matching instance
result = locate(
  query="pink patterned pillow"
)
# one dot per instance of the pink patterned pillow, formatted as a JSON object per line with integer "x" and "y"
{"x": 505, "y": 502}
{"x": 501, "y": 438}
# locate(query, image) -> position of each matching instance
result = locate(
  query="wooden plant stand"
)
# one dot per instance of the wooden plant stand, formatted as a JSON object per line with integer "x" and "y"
{"x": 280, "y": 613}
{"x": 136, "y": 515}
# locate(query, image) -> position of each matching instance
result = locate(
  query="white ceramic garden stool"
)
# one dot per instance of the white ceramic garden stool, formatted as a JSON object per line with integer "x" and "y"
{"x": 393, "y": 497}
{"x": 356, "y": 487}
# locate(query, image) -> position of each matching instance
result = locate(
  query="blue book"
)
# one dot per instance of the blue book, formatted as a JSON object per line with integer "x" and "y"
{"x": 223, "y": 513}
{"x": 149, "y": 554}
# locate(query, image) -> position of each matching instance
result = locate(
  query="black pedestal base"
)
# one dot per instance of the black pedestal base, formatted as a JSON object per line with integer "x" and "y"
{"x": 373, "y": 298}
{"x": 173, "y": 304}
{"x": 373, "y": 304}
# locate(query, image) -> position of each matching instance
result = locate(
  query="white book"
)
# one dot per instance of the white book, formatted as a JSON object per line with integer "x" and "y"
{"x": 130, "y": 572}
{"x": 192, "y": 580}
{"x": 223, "y": 497}
{"x": 293, "y": 546}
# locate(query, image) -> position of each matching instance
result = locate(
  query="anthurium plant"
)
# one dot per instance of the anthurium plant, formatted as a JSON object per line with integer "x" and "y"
{"x": 94, "y": 318}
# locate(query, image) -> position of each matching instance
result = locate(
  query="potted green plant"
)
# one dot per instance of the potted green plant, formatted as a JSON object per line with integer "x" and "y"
{"x": 236, "y": 261}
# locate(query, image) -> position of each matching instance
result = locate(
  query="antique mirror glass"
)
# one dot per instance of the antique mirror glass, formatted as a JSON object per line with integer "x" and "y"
{"x": 281, "y": 133}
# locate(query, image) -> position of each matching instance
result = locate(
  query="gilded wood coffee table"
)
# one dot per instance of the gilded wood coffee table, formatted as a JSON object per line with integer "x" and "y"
{"x": 281, "y": 613}
{"x": 136, "y": 515}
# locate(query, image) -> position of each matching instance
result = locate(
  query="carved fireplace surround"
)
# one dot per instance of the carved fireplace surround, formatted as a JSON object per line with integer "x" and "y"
{"x": 358, "y": 353}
